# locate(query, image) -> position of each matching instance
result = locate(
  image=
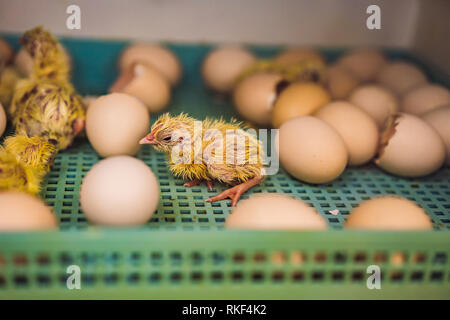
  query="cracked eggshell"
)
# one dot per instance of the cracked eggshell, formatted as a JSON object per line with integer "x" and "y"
{"x": 365, "y": 63}
{"x": 156, "y": 56}
{"x": 358, "y": 130}
{"x": 223, "y": 65}
{"x": 23, "y": 212}
{"x": 388, "y": 213}
{"x": 311, "y": 150}
{"x": 400, "y": 77}
{"x": 2, "y": 120}
{"x": 254, "y": 97}
{"x": 439, "y": 119}
{"x": 298, "y": 99}
{"x": 146, "y": 84}
{"x": 269, "y": 211}
{"x": 410, "y": 147}
{"x": 425, "y": 98}
{"x": 295, "y": 55}
{"x": 115, "y": 123}
{"x": 378, "y": 102}
{"x": 119, "y": 191}
{"x": 340, "y": 82}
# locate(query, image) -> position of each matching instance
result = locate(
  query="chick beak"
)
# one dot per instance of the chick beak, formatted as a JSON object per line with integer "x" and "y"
{"x": 148, "y": 139}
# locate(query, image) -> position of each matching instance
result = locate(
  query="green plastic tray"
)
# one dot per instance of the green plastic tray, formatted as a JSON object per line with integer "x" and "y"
{"x": 183, "y": 251}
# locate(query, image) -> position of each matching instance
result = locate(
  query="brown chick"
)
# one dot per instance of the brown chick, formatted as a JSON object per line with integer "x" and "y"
{"x": 209, "y": 150}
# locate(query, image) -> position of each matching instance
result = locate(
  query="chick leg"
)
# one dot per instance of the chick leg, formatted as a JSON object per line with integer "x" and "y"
{"x": 235, "y": 192}
{"x": 196, "y": 182}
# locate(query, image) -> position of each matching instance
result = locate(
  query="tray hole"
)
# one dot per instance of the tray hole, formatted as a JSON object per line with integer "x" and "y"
{"x": 436, "y": 276}
{"x": 237, "y": 276}
{"x": 155, "y": 277}
{"x": 217, "y": 276}
{"x": 360, "y": 257}
{"x": 238, "y": 257}
{"x": 298, "y": 276}
{"x": 357, "y": 276}
{"x": 379, "y": 258}
{"x": 440, "y": 258}
{"x": 278, "y": 258}
{"x": 197, "y": 258}
{"x": 65, "y": 259}
{"x": 20, "y": 260}
{"x": 21, "y": 280}
{"x": 398, "y": 258}
{"x": 257, "y": 276}
{"x": 318, "y": 276}
{"x": 196, "y": 276}
{"x": 417, "y": 276}
{"x": 133, "y": 278}
{"x": 2, "y": 281}
{"x": 337, "y": 276}
{"x": 43, "y": 280}
{"x": 278, "y": 276}
{"x": 88, "y": 279}
{"x": 397, "y": 276}
{"x": 297, "y": 258}
{"x": 220, "y": 258}
{"x": 43, "y": 259}
{"x": 340, "y": 257}
{"x": 320, "y": 257}
{"x": 259, "y": 257}
{"x": 176, "y": 277}
{"x": 111, "y": 279}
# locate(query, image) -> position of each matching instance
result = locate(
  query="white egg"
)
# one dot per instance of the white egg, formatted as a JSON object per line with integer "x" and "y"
{"x": 119, "y": 191}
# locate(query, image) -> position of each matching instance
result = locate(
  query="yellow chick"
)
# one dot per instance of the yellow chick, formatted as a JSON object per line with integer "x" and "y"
{"x": 209, "y": 150}
{"x": 46, "y": 104}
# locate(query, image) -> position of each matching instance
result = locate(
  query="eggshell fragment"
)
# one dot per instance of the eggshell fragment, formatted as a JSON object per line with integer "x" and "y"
{"x": 358, "y": 130}
{"x": 388, "y": 213}
{"x": 410, "y": 147}
{"x": 340, "y": 82}
{"x": 365, "y": 63}
{"x": 378, "y": 102}
{"x": 146, "y": 84}
{"x": 400, "y": 77}
{"x": 268, "y": 211}
{"x": 23, "y": 212}
{"x": 2, "y": 120}
{"x": 254, "y": 97}
{"x": 223, "y": 65}
{"x": 119, "y": 191}
{"x": 155, "y": 56}
{"x": 298, "y": 99}
{"x": 295, "y": 55}
{"x": 439, "y": 119}
{"x": 115, "y": 123}
{"x": 311, "y": 150}
{"x": 425, "y": 98}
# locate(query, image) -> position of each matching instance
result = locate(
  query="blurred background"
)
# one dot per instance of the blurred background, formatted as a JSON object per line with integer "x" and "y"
{"x": 419, "y": 25}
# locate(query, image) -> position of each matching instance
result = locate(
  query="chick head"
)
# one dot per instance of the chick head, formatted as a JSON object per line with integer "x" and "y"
{"x": 169, "y": 131}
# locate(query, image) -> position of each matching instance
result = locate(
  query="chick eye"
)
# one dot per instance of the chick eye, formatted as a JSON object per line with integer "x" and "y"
{"x": 166, "y": 139}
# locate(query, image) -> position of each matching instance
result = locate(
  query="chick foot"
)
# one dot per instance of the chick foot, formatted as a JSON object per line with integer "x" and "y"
{"x": 235, "y": 192}
{"x": 196, "y": 182}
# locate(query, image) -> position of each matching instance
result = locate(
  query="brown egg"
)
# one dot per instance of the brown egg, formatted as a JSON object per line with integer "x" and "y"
{"x": 439, "y": 119}
{"x": 388, "y": 213}
{"x": 254, "y": 97}
{"x": 410, "y": 147}
{"x": 156, "y": 56}
{"x": 400, "y": 77}
{"x": 340, "y": 82}
{"x": 425, "y": 98}
{"x": 223, "y": 65}
{"x": 119, "y": 191}
{"x": 6, "y": 52}
{"x": 272, "y": 211}
{"x": 365, "y": 63}
{"x": 2, "y": 120}
{"x": 23, "y": 212}
{"x": 295, "y": 55}
{"x": 115, "y": 123}
{"x": 358, "y": 130}
{"x": 311, "y": 150}
{"x": 298, "y": 99}
{"x": 146, "y": 84}
{"x": 377, "y": 101}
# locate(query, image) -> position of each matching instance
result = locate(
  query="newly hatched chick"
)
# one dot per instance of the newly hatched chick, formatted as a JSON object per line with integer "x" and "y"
{"x": 46, "y": 104}
{"x": 209, "y": 150}
{"x": 24, "y": 162}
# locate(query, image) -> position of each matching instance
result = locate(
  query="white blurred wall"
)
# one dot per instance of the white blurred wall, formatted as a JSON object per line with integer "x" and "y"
{"x": 313, "y": 22}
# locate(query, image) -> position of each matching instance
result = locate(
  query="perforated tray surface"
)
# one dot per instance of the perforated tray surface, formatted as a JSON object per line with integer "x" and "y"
{"x": 200, "y": 259}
